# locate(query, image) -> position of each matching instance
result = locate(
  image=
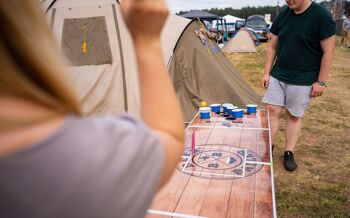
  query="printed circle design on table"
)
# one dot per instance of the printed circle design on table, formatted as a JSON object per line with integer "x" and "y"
{"x": 220, "y": 161}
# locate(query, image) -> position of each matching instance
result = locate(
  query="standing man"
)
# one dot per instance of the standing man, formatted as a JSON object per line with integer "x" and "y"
{"x": 346, "y": 31}
{"x": 298, "y": 61}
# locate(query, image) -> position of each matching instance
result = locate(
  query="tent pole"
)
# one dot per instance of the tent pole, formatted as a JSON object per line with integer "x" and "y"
{"x": 217, "y": 25}
{"x": 225, "y": 31}
{"x": 121, "y": 59}
{"x": 50, "y": 6}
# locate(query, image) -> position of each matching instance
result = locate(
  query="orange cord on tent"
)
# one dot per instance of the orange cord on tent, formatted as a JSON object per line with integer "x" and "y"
{"x": 210, "y": 54}
{"x": 211, "y": 43}
{"x": 84, "y": 45}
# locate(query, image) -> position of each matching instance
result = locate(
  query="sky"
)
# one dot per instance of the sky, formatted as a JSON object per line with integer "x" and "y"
{"x": 186, "y": 5}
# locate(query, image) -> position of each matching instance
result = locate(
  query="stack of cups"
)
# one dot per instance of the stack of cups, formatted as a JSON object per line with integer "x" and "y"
{"x": 231, "y": 109}
{"x": 204, "y": 112}
{"x": 225, "y": 107}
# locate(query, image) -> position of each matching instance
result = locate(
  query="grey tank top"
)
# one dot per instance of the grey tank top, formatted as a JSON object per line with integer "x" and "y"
{"x": 106, "y": 167}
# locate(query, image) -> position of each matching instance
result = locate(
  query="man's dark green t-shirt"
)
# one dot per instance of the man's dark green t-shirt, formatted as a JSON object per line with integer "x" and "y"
{"x": 299, "y": 51}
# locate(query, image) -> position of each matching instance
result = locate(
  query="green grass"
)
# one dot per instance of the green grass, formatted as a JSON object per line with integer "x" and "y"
{"x": 316, "y": 200}
{"x": 321, "y": 185}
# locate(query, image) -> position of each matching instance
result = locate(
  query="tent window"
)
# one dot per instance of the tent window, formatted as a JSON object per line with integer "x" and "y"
{"x": 85, "y": 41}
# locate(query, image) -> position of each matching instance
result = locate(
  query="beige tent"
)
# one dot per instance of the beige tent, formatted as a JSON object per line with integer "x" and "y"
{"x": 104, "y": 74}
{"x": 200, "y": 71}
{"x": 241, "y": 42}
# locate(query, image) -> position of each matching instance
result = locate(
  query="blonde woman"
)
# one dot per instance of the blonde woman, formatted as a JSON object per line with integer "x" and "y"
{"x": 54, "y": 163}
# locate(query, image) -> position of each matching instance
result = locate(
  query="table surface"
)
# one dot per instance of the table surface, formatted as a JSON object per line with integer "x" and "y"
{"x": 228, "y": 172}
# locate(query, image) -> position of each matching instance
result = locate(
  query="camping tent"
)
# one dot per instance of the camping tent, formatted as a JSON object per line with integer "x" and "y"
{"x": 202, "y": 72}
{"x": 241, "y": 42}
{"x": 106, "y": 79}
{"x": 232, "y": 19}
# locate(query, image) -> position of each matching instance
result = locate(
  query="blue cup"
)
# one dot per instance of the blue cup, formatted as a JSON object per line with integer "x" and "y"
{"x": 225, "y": 107}
{"x": 251, "y": 108}
{"x": 237, "y": 113}
{"x": 230, "y": 109}
{"x": 204, "y": 112}
{"x": 215, "y": 107}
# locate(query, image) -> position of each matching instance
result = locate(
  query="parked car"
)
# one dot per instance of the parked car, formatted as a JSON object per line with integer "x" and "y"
{"x": 258, "y": 24}
{"x": 239, "y": 24}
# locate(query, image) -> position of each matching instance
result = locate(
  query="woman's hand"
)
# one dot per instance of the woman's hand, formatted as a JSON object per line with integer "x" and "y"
{"x": 144, "y": 18}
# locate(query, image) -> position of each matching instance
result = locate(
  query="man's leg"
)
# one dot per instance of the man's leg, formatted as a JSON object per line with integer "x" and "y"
{"x": 275, "y": 112}
{"x": 297, "y": 100}
{"x": 293, "y": 128}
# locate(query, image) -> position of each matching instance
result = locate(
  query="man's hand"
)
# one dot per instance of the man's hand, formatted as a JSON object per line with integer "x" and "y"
{"x": 265, "y": 81}
{"x": 144, "y": 18}
{"x": 317, "y": 90}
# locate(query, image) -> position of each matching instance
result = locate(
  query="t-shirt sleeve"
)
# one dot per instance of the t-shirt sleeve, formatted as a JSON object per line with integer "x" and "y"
{"x": 274, "y": 29}
{"x": 277, "y": 23}
{"x": 327, "y": 26}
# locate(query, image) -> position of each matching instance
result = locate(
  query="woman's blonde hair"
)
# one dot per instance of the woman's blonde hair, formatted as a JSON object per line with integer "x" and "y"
{"x": 30, "y": 63}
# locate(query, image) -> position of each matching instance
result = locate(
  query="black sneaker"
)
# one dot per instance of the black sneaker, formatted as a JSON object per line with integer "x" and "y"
{"x": 289, "y": 162}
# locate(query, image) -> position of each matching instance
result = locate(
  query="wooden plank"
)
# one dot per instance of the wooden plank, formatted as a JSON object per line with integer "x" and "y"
{"x": 196, "y": 189}
{"x": 263, "y": 142}
{"x": 243, "y": 190}
{"x": 167, "y": 198}
{"x": 192, "y": 198}
{"x": 242, "y": 198}
{"x": 217, "y": 199}
{"x": 263, "y": 197}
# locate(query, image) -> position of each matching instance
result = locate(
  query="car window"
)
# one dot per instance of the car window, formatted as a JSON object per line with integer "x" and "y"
{"x": 256, "y": 23}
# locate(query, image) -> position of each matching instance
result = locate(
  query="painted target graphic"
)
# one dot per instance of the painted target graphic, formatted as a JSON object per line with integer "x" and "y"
{"x": 220, "y": 161}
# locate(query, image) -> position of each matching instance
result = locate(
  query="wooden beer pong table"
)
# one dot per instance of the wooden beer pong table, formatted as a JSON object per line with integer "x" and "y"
{"x": 225, "y": 171}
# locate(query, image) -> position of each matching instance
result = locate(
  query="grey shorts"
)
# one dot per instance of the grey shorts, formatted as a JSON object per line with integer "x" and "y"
{"x": 294, "y": 98}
